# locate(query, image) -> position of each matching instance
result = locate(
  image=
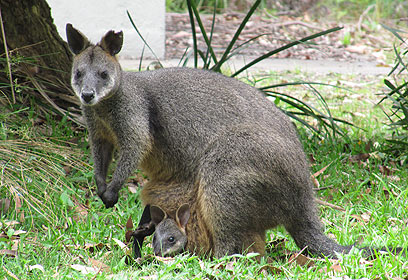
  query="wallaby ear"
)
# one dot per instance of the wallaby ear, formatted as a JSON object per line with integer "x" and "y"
{"x": 157, "y": 214}
{"x": 77, "y": 41}
{"x": 112, "y": 42}
{"x": 183, "y": 215}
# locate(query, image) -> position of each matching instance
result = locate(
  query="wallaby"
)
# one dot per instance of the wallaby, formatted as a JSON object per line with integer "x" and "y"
{"x": 170, "y": 237}
{"x": 197, "y": 135}
{"x": 175, "y": 234}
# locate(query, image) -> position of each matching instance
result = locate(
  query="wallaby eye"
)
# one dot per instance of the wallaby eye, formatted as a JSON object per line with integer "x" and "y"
{"x": 104, "y": 75}
{"x": 78, "y": 74}
{"x": 171, "y": 239}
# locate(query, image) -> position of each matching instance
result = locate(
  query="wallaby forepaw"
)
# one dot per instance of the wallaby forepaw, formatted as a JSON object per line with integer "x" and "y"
{"x": 109, "y": 198}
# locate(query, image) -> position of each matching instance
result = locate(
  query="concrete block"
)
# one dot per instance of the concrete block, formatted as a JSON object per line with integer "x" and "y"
{"x": 94, "y": 18}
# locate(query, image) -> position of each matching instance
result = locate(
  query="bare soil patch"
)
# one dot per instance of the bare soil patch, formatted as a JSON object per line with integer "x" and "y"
{"x": 365, "y": 43}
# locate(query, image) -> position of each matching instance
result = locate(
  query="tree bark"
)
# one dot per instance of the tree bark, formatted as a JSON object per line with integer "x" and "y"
{"x": 40, "y": 60}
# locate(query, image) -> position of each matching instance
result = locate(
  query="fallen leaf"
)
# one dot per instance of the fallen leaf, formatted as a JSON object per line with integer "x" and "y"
{"x": 302, "y": 260}
{"x": 165, "y": 260}
{"x": 99, "y": 265}
{"x": 230, "y": 266}
{"x": 84, "y": 269}
{"x": 129, "y": 223}
{"x": 4, "y": 205}
{"x": 270, "y": 269}
{"x": 91, "y": 247}
{"x": 360, "y": 49}
{"x": 8, "y": 253}
{"x": 67, "y": 169}
{"x": 384, "y": 170}
{"x": 366, "y": 216}
{"x": 336, "y": 267}
{"x": 132, "y": 187}
{"x": 359, "y": 158}
{"x": 321, "y": 170}
{"x": 9, "y": 223}
{"x": 123, "y": 246}
{"x": 36, "y": 266}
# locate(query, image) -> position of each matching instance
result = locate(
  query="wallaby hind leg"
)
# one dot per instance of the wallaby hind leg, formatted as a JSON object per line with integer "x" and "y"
{"x": 228, "y": 214}
{"x": 255, "y": 243}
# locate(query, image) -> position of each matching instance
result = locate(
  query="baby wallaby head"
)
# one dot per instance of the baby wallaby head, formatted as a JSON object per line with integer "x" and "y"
{"x": 96, "y": 73}
{"x": 170, "y": 236}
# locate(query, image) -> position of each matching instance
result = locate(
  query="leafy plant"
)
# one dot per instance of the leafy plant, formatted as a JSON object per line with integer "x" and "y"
{"x": 398, "y": 97}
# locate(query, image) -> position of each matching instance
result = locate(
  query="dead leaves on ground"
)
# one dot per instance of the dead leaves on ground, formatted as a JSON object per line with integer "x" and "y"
{"x": 11, "y": 237}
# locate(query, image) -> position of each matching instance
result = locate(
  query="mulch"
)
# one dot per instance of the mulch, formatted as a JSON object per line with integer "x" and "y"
{"x": 365, "y": 44}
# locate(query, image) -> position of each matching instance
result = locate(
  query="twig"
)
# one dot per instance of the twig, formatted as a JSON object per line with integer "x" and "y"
{"x": 49, "y": 100}
{"x": 360, "y": 20}
{"x": 321, "y": 170}
{"x": 323, "y": 188}
{"x": 99, "y": 271}
{"x": 11, "y": 274}
{"x": 7, "y": 59}
{"x": 325, "y": 203}
{"x": 298, "y": 22}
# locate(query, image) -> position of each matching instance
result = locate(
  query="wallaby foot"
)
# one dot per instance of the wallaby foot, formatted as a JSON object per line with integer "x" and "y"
{"x": 145, "y": 228}
{"x": 109, "y": 198}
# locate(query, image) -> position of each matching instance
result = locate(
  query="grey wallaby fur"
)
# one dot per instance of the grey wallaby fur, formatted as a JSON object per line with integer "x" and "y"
{"x": 198, "y": 136}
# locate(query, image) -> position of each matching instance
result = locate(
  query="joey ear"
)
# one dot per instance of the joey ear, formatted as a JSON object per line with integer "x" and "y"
{"x": 112, "y": 42}
{"x": 157, "y": 214}
{"x": 183, "y": 215}
{"x": 77, "y": 41}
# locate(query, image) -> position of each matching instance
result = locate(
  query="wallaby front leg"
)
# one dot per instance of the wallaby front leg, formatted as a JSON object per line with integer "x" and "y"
{"x": 102, "y": 155}
{"x": 126, "y": 164}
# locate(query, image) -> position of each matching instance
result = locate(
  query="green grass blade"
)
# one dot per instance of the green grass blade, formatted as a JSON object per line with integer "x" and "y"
{"x": 206, "y": 60}
{"x": 394, "y": 31}
{"x": 227, "y": 51}
{"x": 141, "y": 58}
{"x": 303, "y": 83}
{"x": 141, "y": 37}
{"x": 287, "y": 46}
{"x": 193, "y": 32}
{"x": 193, "y": 7}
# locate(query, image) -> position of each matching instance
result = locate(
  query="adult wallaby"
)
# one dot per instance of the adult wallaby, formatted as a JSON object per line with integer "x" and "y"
{"x": 197, "y": 134}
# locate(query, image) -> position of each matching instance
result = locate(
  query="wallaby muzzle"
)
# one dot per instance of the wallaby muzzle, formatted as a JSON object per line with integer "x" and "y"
{"x": 87, "y": 96}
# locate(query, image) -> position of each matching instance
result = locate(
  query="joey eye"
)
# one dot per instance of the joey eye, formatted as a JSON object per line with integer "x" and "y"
{"x": 171, "y": 239}
{"x": 78, "y": 74}
{"x": 104, "y": 75}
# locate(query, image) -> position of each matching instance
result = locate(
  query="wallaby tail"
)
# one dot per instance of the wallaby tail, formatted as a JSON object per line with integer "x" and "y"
{"x": 307, "y": 232}
{"x": 316, "y": 243}
{"x": 312, "y": 239}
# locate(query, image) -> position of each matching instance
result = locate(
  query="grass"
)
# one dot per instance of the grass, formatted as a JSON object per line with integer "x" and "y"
{"x": 56, "y": 227}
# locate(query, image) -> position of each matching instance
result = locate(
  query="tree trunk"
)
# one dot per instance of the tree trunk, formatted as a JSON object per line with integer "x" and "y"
{"x": 39, "y": 59}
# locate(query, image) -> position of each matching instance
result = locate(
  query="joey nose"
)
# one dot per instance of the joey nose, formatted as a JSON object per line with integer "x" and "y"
{"x": 87, "y": 96}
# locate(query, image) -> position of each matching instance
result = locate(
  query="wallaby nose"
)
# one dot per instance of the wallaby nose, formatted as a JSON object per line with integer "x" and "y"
{"x": 87, "y": 96}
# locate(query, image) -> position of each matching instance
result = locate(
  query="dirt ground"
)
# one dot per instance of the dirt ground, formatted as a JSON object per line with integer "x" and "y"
{"x": 355, "y": 42}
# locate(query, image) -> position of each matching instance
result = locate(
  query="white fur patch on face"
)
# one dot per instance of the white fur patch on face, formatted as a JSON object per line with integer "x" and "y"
{"x": 175, "y": 249}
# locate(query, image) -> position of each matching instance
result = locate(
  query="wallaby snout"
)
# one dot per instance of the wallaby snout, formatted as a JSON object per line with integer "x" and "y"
{"x": 87, "y": 96}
